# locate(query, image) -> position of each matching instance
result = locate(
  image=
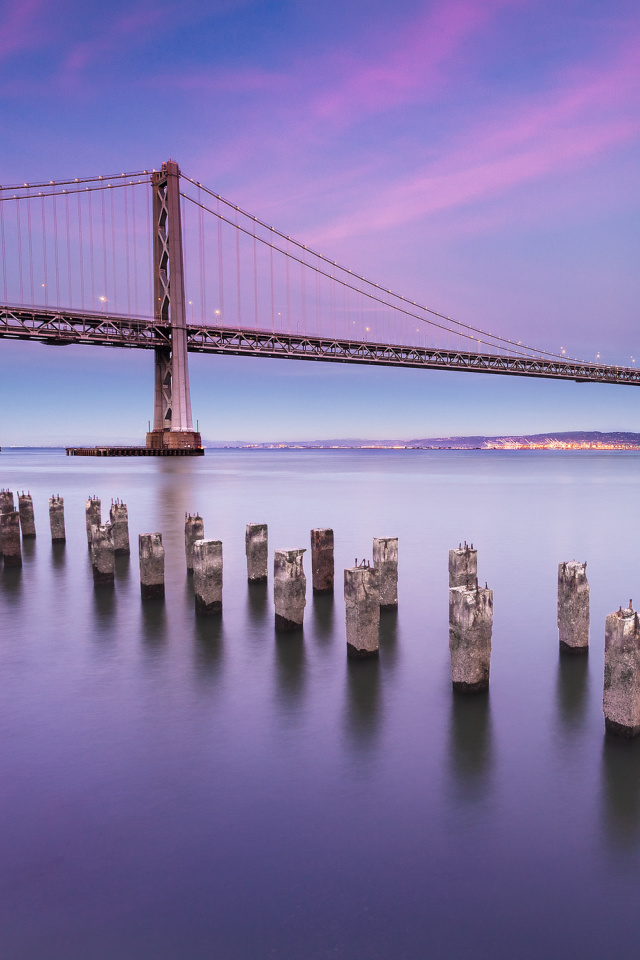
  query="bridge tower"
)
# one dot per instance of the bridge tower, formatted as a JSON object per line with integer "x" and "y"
{"x": 172, "y": 422}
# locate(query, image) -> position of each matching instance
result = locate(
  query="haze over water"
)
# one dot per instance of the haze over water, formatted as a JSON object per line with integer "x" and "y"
{"x": 196, "y": 788}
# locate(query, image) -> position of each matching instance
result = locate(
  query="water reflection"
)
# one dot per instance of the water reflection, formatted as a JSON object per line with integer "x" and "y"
{"x": 122, "y": 568}
{"x": 154, "y": 625}
{"x": 470, "y": 743}
{"x": 58, "y": 555}
{"x": 104, "y": 606}
{"x": 572, "y": 688}
{"x": 621, "y": 790}
{"x": 364, "y": 702}
{"x": 12, "y": 584}
{"x": 389, "y": 637}
{"x": 323, "y": 609}
{"x": 28, "y": 549}
{"x": 208, "y": 646}
{"x": 257, "y": 601}
{"x": 290, "y": 668}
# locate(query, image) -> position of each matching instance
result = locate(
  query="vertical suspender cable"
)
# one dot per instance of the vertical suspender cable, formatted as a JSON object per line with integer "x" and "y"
{"x": 238, "y": 268}
{"x": 19, "y": 249}
{"x": 66, "y": 211}
{"x": 150, "y": 246}
{"x": 30, "y": 246}
{"x": 135, "y": 248}
{"x": 4, "y": 254}
{"x": 126, "y": 249}
{"x": 255, "y": 277}
{"x": 286, "y": 268}
{"x": 55, "y": 250}
{"x": 113, "y": 253}
{"x": 273, "y": 316}
{"x": 220, "y": 266}
{"x": 104, "y": 251}
{"x": 201, "y": 256}
{"x": 44, "y": 252}
{"x": 93, "y": 285}
{"x": 81, "y": 248}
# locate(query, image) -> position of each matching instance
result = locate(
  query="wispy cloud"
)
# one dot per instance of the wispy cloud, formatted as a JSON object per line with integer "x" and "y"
{"x": 587, "y": 114}
{"x": 19, "y": 26}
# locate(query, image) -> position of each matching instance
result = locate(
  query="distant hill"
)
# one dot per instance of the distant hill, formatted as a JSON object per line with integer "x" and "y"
{"x": 553, "y": 438}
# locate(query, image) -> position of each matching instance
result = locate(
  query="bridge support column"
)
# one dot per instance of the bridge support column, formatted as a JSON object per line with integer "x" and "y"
{"x": 172, "y": 422}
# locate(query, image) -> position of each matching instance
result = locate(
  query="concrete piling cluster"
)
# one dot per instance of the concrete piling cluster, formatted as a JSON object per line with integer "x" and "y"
{"x": 368, "y": 590}
{"x": 256, "y": 545}
{"x": 573, "y": 607}
{"x": 322, "y": 572}
{"x": 151, "y": 556}
{"x": 193, "y": 530}
{"x": 119, "y": 520}
{"x": 93, "y": 515}
{"x": 385, "y": 561}
{"x": 470, "y": 622}
{"x": 56, "y": 519}
{"x": 621, "y": 697}
{"x": 103, "y": 557}
{"x": 289, "y": 590}
{"x": 207, "y": 576}
{"x": 362, "y": 601}
{"x": 27, "y": 519}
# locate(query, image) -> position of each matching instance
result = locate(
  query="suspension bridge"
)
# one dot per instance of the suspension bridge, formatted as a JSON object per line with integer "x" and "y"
{"x": 97, "y": 261}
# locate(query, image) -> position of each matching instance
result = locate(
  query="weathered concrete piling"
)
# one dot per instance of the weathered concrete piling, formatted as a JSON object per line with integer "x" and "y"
{"x": 103, "y": 562}
{"x": 6, "y": 501}
{"x": 621, "y": 698}
{"x": 10, "y": 538}
{"x": 470, "y": 627}
{"x": 207, "y": 576}
{"x": 193, "y": 530}
{"x": 322, "y": 560}
{"x": 362, "y": 600}
{"x": 27, "y": 519}
{"x": 573, "y": 607}
{"x": 93, "y": 515}
{"x": 463, "y": 566}
{"x": 151, "y": 554}
{"x": 385, "y": 561}
{"x": 256, "y": 544}
{"x": 56, "y": 519}
{"x": 119, "y": 519}
{"x": 289, "y": 589}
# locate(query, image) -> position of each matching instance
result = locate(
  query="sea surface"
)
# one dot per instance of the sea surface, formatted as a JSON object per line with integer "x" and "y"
{"x": 184, "y": 788}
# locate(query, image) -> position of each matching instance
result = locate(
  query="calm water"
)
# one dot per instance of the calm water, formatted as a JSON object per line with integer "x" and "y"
{"x": 182, "y": 788}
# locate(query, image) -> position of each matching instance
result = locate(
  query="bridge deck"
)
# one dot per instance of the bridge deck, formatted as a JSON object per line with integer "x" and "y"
{"x": 58, "y": 327}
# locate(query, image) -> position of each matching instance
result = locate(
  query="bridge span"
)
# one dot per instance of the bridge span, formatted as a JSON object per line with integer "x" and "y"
{"x": 84, "y": 261}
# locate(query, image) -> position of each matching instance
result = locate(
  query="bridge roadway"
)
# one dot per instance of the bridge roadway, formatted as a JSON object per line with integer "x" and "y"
{"x": 63, "y": 327}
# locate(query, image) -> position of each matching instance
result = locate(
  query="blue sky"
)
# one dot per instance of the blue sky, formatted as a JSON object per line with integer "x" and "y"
{"x": 481, "y": 157}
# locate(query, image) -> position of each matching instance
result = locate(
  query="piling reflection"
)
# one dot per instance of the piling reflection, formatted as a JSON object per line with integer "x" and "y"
{"x": 290, "y": 668}
{"x": 363, "y": 702}
{"x": 257, "y": 601}
{"x": 58, "y": 555}
{"x": 323, "y": 611}
{"x": 28, "y": 550}
{"x": 11, "y": 582}
{"x": 389, "y": 637}
{"x": 104, "y": 607}
{"x": 122, "y": 568}
{"x": 621, "y": 791}
{"x": 470, "y": 744}
{"x": 208, "y": 646}
{"x": 153, "y": 618}
{"x": 572, "y": 689}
